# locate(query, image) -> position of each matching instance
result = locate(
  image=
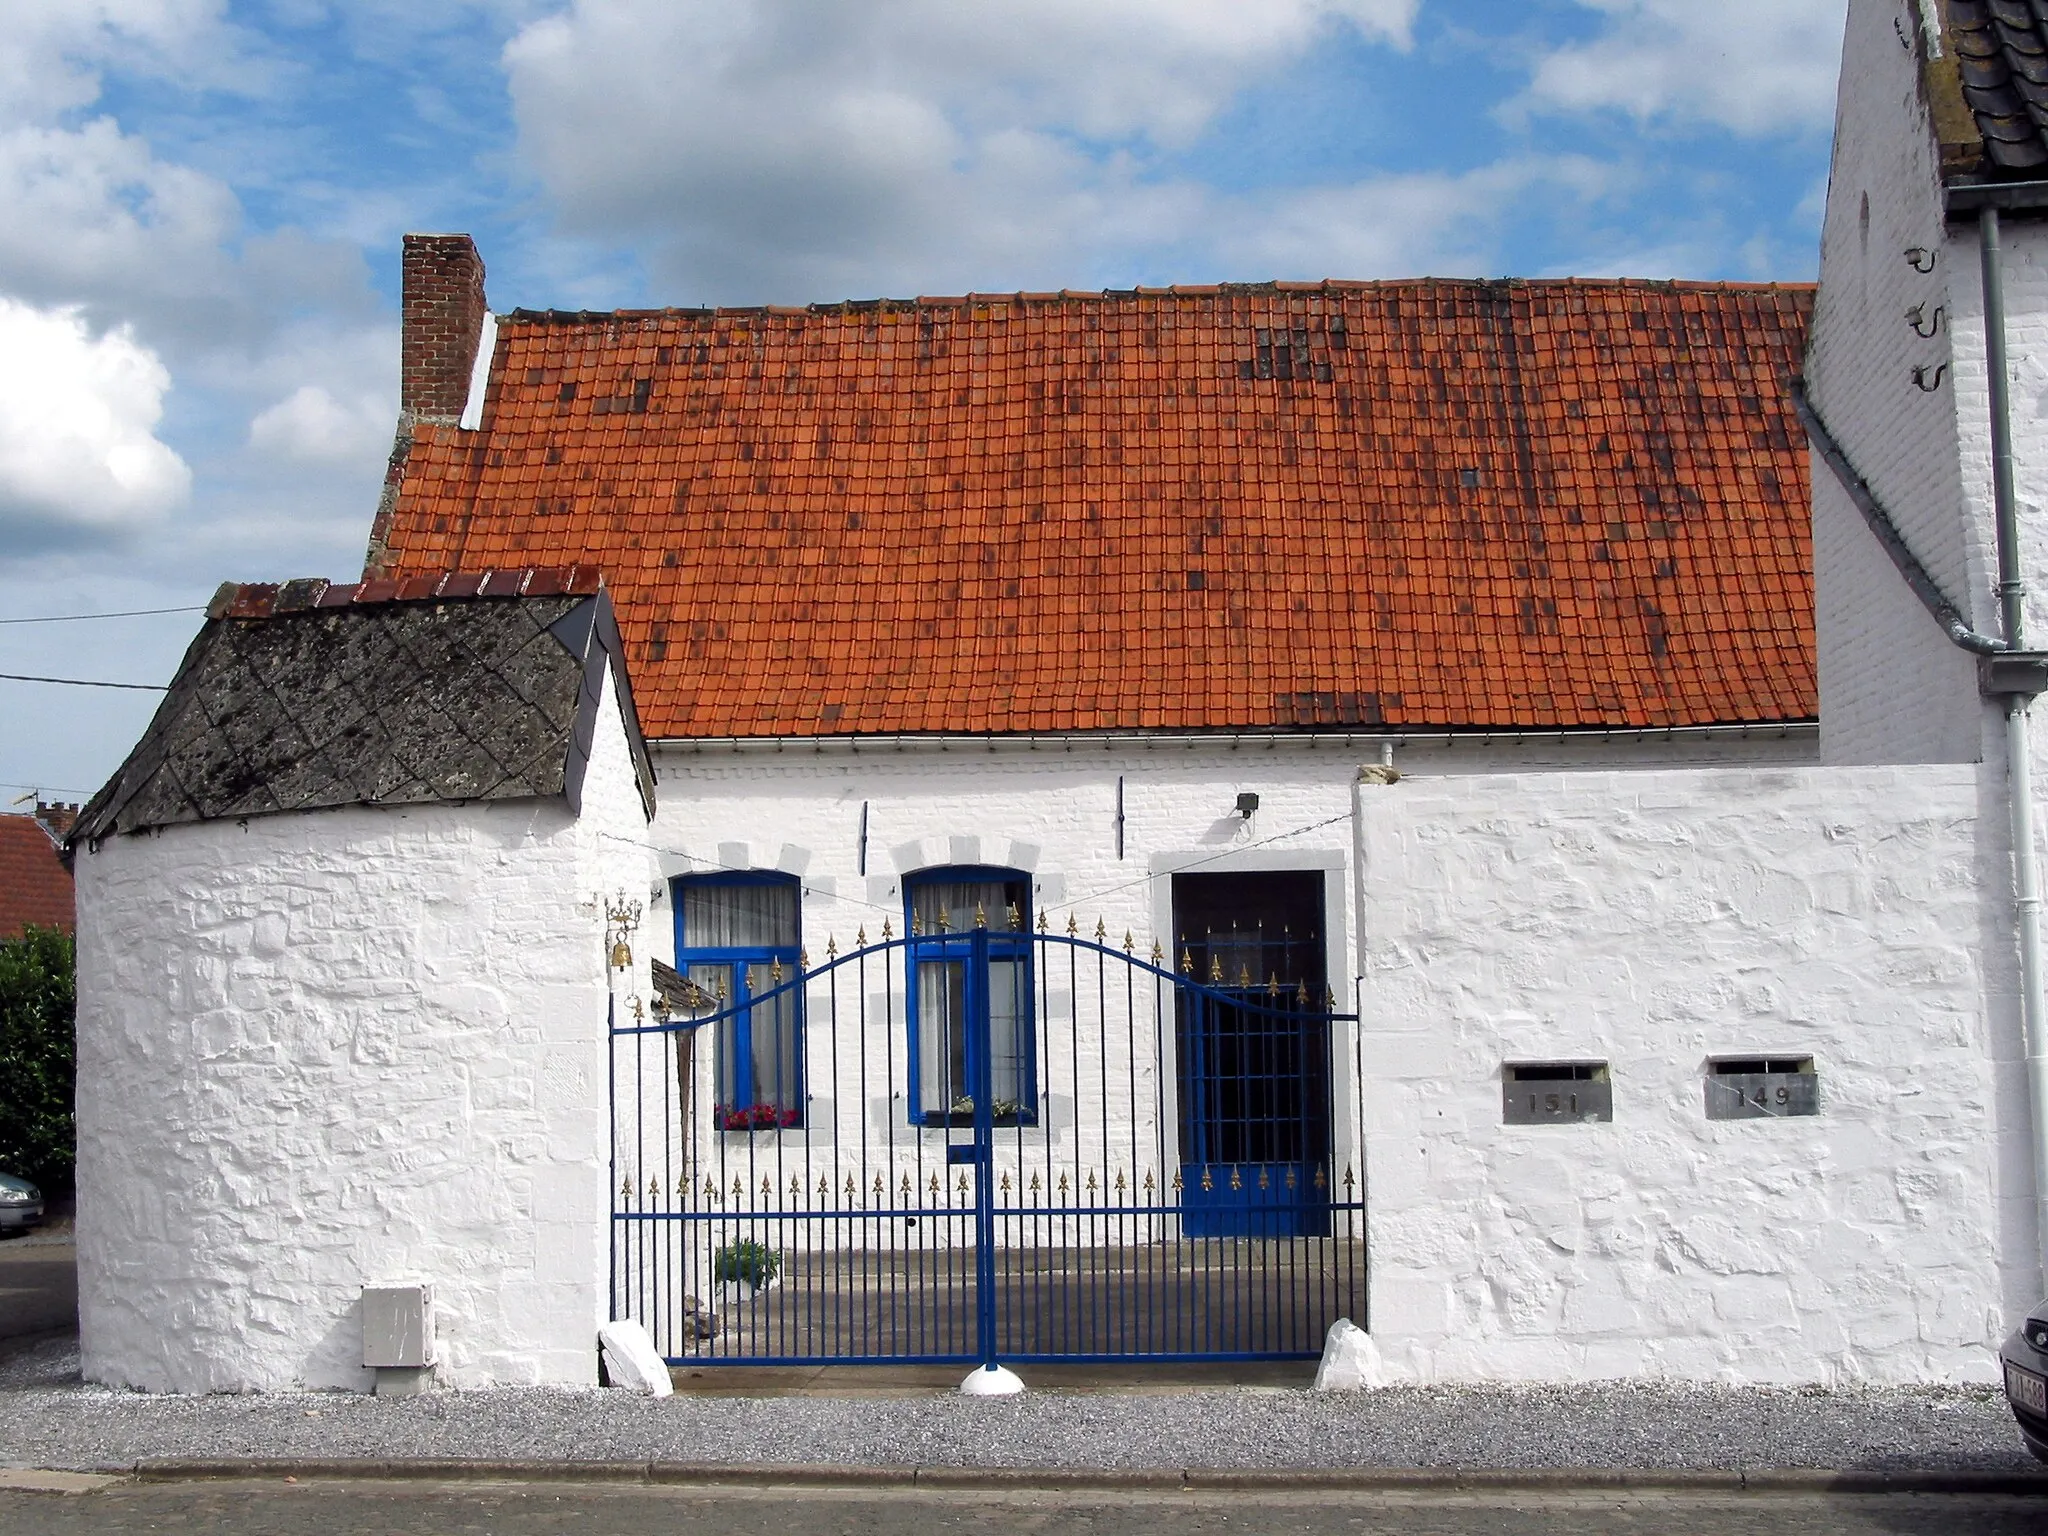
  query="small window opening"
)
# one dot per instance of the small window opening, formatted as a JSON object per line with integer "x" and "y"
{"x": 1556, "y": 1093}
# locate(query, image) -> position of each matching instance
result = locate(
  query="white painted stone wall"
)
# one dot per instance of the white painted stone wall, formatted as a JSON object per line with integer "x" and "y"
{"x": 1652, "y": 921}
{"x": 325, "y": 1050}
{"x": 1893, "y": 689}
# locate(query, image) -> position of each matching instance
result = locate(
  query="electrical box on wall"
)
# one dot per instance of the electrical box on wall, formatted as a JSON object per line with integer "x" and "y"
{"x": 398, "y": 1326}
{"x": 1761, "y": 1087}
{"x": 1555, "y": 1093}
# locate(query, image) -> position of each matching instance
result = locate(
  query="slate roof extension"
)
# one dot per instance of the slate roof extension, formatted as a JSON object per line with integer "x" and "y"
{"x": 1287, "y": 506}
{"x": 2001, "y": 51}
{"x": 453, "y": 687}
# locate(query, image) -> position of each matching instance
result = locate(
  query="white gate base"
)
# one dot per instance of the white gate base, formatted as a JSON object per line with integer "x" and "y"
{"x": 992, "y": 1381}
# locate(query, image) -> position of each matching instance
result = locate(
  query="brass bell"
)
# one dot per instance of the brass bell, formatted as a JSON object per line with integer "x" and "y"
{"x": 622, "y": 956}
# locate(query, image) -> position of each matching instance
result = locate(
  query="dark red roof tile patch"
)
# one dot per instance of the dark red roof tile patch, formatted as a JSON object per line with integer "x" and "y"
{"x": 35, "y": 887}
{"x": 1403, "y": 505}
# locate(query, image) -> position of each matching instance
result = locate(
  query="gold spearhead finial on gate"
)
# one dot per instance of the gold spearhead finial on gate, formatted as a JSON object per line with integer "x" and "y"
{"x": 625, "y": 1189}
{"x": 1073, "y": 927}
{"x": 944, "y": 922}
{"x": 1264, "y": 1181}
{"x": 1187, "y": 963}
{"x": 962, "y": 1186}
{"x": 1235, "y": 1181}
{"x": 881, "y": 1189}
{"x": 903, "y": 1190}
{"x": 1091, "y": 1182}
{"x": 739, "y": 1190}
{"x": 767, "y": 1188}
{"x": 1043, "y": 925}
{"x": 1006, "y": 1183}
{"x": 824, "y": 1187}
{"x": 1329, "y": 1001}
{"x": 1301, "y": 993}
{"x": 1130, "y": 944}
{"x": 1063, "y": 1186}
{"x": 796, "y": 1186}
{"x": 1244, "y": 975}
{"x": 1121, "y": 1186}
{"x": 775, "y": 973}
{"x": 803, "y": 960}
{"x": 1208, "y": 1184}
{"x": 1176, "y": 1182}
{"x": 831, "y": 947}
{"x": 1101, "y": 932}
{"x": 935, "y": 1186}
{"x": 1036, "y": 1187}
{"x": 1272, "y": 984}
{"x": 1321, "y": 1181}
{"x": 980, "y": 915}
{"x": 1158, "y": 954}
{"x": 682, "y": 1186}
{"x": 710, "y": 1190}
{"x": 887, "y": 934}
{"x": 1290, "y": 1176}
{"x": 1148, "y": 1182}
{"x": 916, "y": 926}
{"x": 654, "y": 1189}
{"x": 1348, "y": 1181}
{"x": 1016, "y": 918}
{"x": 721, "y": 985}
{"x": 1216, "y": 968}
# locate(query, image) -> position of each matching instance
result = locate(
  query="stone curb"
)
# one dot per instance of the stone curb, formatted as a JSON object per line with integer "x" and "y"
{"x": 1106, "y": 1480}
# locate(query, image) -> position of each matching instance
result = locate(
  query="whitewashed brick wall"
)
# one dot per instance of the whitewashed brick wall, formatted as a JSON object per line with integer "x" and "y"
{"x": 1652, "y": 921}
{"x": 323, "y": 1050}
{"x": 1893, "y": 688}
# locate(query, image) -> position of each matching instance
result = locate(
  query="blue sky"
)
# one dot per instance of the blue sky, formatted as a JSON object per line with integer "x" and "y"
{"x": 201, "y": 203}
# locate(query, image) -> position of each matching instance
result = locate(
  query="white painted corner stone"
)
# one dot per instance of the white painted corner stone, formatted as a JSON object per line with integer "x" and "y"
{"x": 631, "y": 1361}
{"x": 992, "y": 1381}
{"x": 1351, "y": 1361}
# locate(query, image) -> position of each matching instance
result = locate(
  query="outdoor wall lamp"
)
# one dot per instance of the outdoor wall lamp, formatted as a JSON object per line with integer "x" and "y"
{"x": 1247, "y": 802}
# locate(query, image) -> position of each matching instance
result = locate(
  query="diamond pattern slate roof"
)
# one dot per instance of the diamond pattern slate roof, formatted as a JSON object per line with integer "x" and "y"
{"x": 2001, "y": 49}
{"x": 35, "y": 887}
{"x": 309, "y": 695}
{"x": 1411, "y": 504}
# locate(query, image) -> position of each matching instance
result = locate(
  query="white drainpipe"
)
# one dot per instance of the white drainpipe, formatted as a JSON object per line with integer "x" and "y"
{"x": 2026, "y": 863}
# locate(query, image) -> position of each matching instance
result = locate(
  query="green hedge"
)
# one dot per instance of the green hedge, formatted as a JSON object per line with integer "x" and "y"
{"x": 38, "y": 1056}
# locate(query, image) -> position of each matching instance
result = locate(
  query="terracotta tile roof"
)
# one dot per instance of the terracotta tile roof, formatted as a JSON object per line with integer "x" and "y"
{"x": 35, "y": 887}
{"x": 1406, "y": 504}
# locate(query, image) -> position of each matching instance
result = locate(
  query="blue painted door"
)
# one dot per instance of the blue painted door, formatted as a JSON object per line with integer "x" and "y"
{"x": 1254, "y": 1055}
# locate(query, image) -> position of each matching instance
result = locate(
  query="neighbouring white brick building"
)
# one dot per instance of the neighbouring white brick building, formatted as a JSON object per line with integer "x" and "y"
{"x": 1172, "y": 817}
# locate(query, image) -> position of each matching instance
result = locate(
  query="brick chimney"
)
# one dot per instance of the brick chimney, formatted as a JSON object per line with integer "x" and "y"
{"x": 57, "y": 816}
{"x": 443, "y": 283}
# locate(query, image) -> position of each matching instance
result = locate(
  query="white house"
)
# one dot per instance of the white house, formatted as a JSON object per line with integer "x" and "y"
{"x": 1402, "y": 800}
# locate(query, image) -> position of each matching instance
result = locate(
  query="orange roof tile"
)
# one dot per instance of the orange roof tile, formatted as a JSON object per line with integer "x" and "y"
{"x": 1404, "y": 504}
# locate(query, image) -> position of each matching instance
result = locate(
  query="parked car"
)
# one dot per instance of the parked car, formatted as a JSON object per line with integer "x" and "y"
{"x": 21, "y": 1207}
{"x": 2025, "y": 1358}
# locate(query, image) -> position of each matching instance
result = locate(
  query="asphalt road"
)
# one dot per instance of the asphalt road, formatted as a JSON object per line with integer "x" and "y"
{"x": 38, "y": 1287}
{"x": 400, "y": 1509}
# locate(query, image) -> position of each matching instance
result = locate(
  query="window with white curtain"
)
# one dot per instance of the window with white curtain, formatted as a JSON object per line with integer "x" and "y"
{"x": 946, "y": 907}
{"x": 738, "y": 937}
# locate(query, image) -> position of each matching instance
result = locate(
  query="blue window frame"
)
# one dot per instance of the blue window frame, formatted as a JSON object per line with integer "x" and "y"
{"x": 943, "y": 908}
{"x": 739, "y": 937}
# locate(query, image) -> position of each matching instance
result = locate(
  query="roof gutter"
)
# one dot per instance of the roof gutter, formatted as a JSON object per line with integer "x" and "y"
{"x": 1228, "y": 741}
{"x": 1923, "y": 586}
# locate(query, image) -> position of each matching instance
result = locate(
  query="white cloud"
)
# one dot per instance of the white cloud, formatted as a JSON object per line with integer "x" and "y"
{"x": 78, "y": 413}
{"x": 809, "y": 147}
{"x": 56, "y": 48}
{"x": 313, "y": 427}
{"x": 1753, "y": 66}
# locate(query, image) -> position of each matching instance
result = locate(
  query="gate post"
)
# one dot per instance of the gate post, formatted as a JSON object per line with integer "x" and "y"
{"x": 989, "y": 1379}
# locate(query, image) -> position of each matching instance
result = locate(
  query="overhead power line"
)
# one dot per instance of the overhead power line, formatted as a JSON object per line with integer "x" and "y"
{"x": 83, "y": 682}
{"x": 129, "y": 613}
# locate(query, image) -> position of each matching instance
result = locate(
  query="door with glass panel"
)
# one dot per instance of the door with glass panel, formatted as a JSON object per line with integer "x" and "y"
{"x": 948, "y": 908}
{"x": 738, "y": 941}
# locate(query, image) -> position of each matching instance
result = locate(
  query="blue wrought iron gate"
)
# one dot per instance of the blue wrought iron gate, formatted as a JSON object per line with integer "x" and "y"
{"x": 1012, "y": 1145}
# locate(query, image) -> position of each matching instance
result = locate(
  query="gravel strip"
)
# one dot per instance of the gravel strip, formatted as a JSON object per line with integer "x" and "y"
{"x": 48, "y": 1419}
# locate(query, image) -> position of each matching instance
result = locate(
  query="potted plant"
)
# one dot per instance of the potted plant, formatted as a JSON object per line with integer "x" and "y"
{"x": 1001, "y": 1112}
{"x": 743, "y": 1268}
{"x": 758, "y": 1117}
